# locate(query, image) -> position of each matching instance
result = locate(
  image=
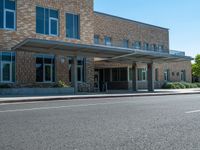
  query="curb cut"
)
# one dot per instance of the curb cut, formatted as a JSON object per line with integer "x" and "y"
{"x": 59, "y": 98}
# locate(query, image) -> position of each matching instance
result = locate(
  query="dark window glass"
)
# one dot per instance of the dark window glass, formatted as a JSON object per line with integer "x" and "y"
{"x": 107, "y": 41}
{"x": 130, "y": 74}
{"x": 6, "y": 71}
{"x": 6, "y": 56}
{"x": 137, "y": 45}
{"x": 125, "y": 43}
{"x": 115, "y": 74}
{"x": 40, "y": 20}
{"x": 10, "y": 4}
{"x": 48, "y": 72}
{"x": 156, "y": 74}
{"x": 53, "y": 13}
{"x": 54, "y": 27}
{"x": 96, "y": 39}
{"x": 10, "y": 17}
{"x": 123, "y": 74}
{"x": 1, "y": 13}
{"x": 7, "y": 66}
{"x": 44, "y": 16}
{"x": 72, "y": 26}
{"x": 107, "y": 75}
{"x": 39, "y": 69}
{"x": 146, "y": 46}
{"x": 47, "y": 21}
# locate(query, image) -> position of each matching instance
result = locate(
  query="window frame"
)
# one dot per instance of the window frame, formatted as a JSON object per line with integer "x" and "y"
{"x": 5, "y": 10}
{"x": 49, "y": 21}
{"x": 106, "y": 42}
{"x": 12, "y": 64}
{"x": 78, "y": 37}
{"x": 143, "y": 74}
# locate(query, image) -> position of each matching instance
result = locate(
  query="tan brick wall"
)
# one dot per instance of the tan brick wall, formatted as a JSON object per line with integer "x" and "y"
{"x": 26, "y": 21}
{"x": 120, "y": 29}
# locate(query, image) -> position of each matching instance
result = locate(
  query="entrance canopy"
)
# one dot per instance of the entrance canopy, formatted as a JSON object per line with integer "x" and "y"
{"x": 108, "y": 53}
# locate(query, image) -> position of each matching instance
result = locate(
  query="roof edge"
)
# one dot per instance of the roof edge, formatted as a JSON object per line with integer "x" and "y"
{"x": 126, "y": 19}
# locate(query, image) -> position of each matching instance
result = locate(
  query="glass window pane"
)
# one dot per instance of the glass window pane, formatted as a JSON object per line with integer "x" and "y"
{"x": 76, "y": 26}
{"x": 54, "y": 13}
{"x": 10, "y": 20}
{"x": 13, "y": 72}
{"x": 46, "y": 21}
{"x": 1, "y": 14}
{"x": 6, "y": 71}
{"x": 69, "y": 25}
{"x": 47, "y": 61}
{"x": 10, "y": 4}
{"x": 6, "y": 56}
{"x": 40, "y": 20}
{"x": 48, "y": 72}
{"x": 39, "y": 69}
{"x": 96, "y": 39}
{"x": 115, "y": 74}
{"x": 79, "y": 74}
{"x": 54, "y": 27}
{"x": 123, "y": 74}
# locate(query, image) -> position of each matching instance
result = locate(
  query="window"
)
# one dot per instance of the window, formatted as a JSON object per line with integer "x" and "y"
{"x": 142, "y": 74}
{"x": 166, "y": 75}
{"x": 146, "y": 46}
{"x": 46, "y": 21}
{"x": 137, "y": 45}
{"x": 45, "y": 69}
{"x": 72, "y": 26}
{"x": 107, "y": 41}
{"x": 119, "y": 74}
{"x": 156, "y": 74}
{"x": 183, "y": 75}
{"x": 7, "y": 67}
{"x": 125, "y": 43}
{"x": 160, "y": 48}
{"x": 154, "y": 47}
{"x": 81, "y": 63}
{"x": 8, "y": 14}
{"x": 96, "y": 39}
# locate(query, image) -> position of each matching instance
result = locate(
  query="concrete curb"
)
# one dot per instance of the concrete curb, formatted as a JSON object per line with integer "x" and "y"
{"x": 59, "y": 98}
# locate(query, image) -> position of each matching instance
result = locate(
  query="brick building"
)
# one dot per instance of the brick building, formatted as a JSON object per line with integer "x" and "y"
{"x": 46, "y": 41}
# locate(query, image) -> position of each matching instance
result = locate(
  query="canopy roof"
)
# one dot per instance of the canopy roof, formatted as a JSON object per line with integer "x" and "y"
{"x": 108, "y": 53}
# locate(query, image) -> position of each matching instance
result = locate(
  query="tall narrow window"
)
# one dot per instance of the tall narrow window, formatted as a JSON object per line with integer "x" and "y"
{"x": 7, "y": 65}
{"x": 107, "y": 41}
{"x": 125, "y": 43}
{"x": 8, "y": 14}
{"x": 45, "y": 69}
{"x": 96, "y": 39}
{"x": 47, "y": 21}
{"x": 167, "y": 75}
{"x": 137, "y": 45}
{"x": 146, "y": 46}
{"x": 81, "y": 69}
{"x": 72, "y": 26}
{"x": 183, "y": 75}
{"x": 142, "y": 74}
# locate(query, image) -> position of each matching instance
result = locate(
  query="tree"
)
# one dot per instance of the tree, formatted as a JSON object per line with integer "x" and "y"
{"x": 196, "y": 67}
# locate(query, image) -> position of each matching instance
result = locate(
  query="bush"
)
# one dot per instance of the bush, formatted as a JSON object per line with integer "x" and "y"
{"x": 4, "y": 86}
{"x": 61, "y": 84}
{"x": 180, "y": 85}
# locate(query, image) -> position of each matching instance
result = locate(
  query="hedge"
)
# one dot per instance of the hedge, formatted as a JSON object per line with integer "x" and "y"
{"x": 180, "y": 85}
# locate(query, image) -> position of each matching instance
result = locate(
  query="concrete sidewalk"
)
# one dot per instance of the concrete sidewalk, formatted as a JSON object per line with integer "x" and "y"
{"x": 110, "y": 94}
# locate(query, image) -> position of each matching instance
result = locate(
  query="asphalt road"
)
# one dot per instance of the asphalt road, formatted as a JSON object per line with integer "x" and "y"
{"x": 143, "y": 123}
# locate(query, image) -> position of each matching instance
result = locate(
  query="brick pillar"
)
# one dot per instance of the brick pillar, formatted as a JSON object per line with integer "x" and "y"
{"x": 134, "y": 78}
{"x": 151, "y": 77}
{"x": 61, "y": 69}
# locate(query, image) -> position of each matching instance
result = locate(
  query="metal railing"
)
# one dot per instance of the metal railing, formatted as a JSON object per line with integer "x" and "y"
{"x": 178, "y": 53}
{"x": 121, "y": 44}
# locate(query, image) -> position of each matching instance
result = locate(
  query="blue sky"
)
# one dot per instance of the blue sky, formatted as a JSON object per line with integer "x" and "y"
{"x": 182, "y": 17}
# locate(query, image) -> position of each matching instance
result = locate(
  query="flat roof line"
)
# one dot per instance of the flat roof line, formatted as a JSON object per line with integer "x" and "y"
{"x": 125, "y": 19}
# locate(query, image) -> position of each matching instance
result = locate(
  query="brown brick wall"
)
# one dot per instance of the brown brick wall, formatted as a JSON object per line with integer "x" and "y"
{"x": 26, "y": 21}
{"x": 120, "y": 29}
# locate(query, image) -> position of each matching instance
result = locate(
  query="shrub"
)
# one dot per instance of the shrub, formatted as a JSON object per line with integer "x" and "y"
{"x": 180, "y": 85}
{"x": 61, "y": 84}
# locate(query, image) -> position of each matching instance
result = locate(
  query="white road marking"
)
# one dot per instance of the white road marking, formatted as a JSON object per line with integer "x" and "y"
{"x": 58, "y": 107}
{"x": 194, "y": 111}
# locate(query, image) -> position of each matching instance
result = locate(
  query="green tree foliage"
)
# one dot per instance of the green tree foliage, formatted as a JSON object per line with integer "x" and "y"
{"x": 196, "y": 66}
